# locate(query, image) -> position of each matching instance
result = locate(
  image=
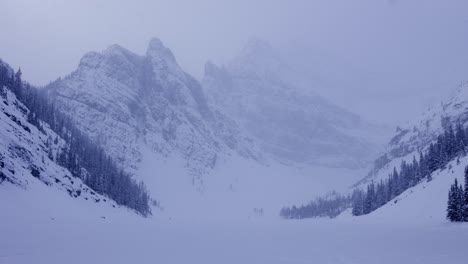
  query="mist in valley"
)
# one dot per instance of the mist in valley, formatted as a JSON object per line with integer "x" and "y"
{"x": 233, "y": 131}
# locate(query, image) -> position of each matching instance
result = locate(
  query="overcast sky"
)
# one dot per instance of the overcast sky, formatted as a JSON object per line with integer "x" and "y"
{"x": 379, "y": 58}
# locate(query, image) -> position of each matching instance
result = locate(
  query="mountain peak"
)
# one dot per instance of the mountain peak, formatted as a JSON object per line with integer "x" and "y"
{"x": 258, "y": 60}
{"x": 156, "y": 44}
{"x": 160, "y": 54}
{"x": 115, "y": 48}
{"x": 156, "y": 48}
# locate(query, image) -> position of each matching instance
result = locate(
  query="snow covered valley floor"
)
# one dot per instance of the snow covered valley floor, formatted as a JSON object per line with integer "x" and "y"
{"x": 41, "y": 224}
{"x": 42, "y": 240}
{"x": 40, "y": 233}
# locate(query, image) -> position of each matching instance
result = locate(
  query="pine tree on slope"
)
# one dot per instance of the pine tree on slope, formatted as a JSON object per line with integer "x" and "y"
{"x": 460, "y": 203}
{"x": 451, "y": 204}
{"x": 455, "y": 205}
{"x": 465, "y": 196}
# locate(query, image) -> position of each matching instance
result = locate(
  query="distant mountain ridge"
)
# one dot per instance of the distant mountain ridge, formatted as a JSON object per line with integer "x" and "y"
{"x": 276, "y": 105}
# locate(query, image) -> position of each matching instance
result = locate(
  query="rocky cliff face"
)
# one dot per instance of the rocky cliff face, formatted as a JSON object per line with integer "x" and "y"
{"x": 127, "y": 102}
{"x": 290, "y": 121}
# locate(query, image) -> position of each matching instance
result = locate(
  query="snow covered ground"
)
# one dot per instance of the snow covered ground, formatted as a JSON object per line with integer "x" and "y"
{"x": 237, "y": 187}
{"x": 30, "y": 235}
{"x": 233, "y": 217}
{"x": 42, "y": 225}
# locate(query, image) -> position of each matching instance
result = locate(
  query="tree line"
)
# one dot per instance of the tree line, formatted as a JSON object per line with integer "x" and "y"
{"x": 449, "y": 145}
{"x": 82, "y": 157}
{"x": 329, "y": 206}
{"x": 457, "y": 204}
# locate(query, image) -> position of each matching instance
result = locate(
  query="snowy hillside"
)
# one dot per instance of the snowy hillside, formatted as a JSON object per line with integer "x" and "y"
{"x": 26, "y": 156}
{"x": 411, "y": 180}
{"x": 413, "y": 159}
{"x": 414, "y": 138}
{"x": 290, "y": 121}
{"x": 424, "y": 204}
{"x": 58, "y": 231}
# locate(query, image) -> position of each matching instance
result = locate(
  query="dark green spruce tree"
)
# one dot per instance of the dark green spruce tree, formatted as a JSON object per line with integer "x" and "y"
{"x": 455, "y": 204}
{"x": 465, "y": 196}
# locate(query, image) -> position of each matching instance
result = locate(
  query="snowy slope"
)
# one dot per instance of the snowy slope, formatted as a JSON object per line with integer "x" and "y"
{"x": 53, "y": 228}
{"x": 55, "y": 231}
{"x": 128, "y": 102}
{"x": 427, "y": 201}
{"x": 237, "y": 187}
{"x": 290, "y": 121}
{"x": 415, "y": 137}
{"x": 27, "y": 157}
{"x": 423, "y": 204}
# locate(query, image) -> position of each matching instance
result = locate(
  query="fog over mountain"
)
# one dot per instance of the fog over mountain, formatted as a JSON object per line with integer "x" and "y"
{"x": 278, "y": 107}
{"x": 389, "y": 52}
{"x": 237, "y": 131}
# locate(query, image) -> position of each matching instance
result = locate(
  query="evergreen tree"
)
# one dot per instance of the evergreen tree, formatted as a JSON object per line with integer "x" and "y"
{"x": 460, "y": 203}
{"x": 17, "y": 84}
{"x": 455, "y": 204}
{"x": 451, "y": 203}
{"x": 416, "y": 172}
{"x": 460, "y": 138}
{"x": 358, "y": 202}
{"x": 370, "y": 200}
{"x": 433, "y": 159}
{"x": 423, "y": 169}
{"x": 465, "y": 196}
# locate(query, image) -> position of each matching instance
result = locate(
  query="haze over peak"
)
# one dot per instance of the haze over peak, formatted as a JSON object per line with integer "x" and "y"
{"x": 255, "y": 46}
{"x": 276, "y": 105}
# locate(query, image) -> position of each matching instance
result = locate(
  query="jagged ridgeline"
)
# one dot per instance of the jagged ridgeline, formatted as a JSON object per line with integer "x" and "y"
{"x": 83, "y": 158}
{"x": 450, "y": 145}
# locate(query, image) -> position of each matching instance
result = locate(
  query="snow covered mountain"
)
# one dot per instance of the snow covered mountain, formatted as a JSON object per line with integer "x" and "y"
{"x": 128, "y": 103}
{"x": 290, "y": 121}
{"x": 154, "y": 120}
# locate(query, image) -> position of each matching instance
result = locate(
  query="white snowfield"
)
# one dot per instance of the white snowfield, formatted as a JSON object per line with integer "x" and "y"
{"x": 42, "y": 225}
